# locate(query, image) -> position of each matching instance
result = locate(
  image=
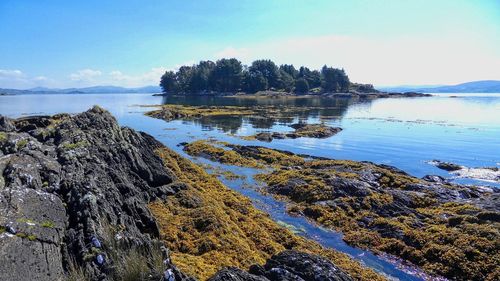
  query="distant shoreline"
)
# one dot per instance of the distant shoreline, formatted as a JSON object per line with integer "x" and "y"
{"x": 273, "y": 94}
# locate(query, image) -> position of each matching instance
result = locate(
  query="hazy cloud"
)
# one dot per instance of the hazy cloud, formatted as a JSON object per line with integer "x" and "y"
{"x": 381, "y": 62}
{"x": 17, "y": 79}
{"x": 85, "y": 75}
{"x": 151, "y": 77}
{"x": 10, "y": 74}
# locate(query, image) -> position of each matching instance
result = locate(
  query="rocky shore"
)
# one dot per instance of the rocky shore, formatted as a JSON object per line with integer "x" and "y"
{"x": 82, "y": 198}
{"x": 447, "y": 229}
{"x": 491, "y": 174}
{"x": 302, "y": 130}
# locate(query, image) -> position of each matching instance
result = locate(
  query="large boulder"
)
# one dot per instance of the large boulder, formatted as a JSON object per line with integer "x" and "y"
{"x": 288, "y": 265}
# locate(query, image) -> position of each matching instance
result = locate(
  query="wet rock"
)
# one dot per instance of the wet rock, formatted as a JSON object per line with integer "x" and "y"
{"x": 235, "y": 274}
{"x": 434, "y": 178}
{"x": 301, "y": 130}
{"x": 314, "y": 130}
{"x": 286, "y": 266}
{"x": 447, "y": 166}
{"x": 293, "y": 265}
{"x": 264, "y": 136}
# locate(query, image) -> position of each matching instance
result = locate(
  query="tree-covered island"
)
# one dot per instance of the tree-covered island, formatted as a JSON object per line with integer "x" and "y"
{"x": 231, "y": 76}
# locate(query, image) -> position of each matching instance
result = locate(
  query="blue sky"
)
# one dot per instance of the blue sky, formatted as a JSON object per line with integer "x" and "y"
{"x": 58, "y": 43}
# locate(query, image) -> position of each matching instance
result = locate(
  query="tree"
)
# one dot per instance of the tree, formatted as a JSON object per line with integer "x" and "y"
{"x": 269, "y": 71}
{"x": 312, "y": 77}
{"x": 200, "y": 79}
{"x": 184, "y": 76}
{"x": 290, "y": 69}
{"x": 286, "y": 81}
{"x": 334, "y": 80}
{"x": 168, "y": 82}
{"x": 344, "y": 81}
{"x": 229, "y": 75}
{"x": 301, "y": 86}
{"x": 254, "y": 81}
{"x": 226, "y": 75}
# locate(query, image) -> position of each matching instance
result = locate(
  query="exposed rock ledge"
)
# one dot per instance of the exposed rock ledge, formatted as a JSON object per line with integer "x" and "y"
{"x": 288, "y": 265}
{"x": 319, "y": 131}
{"x": 74, "y": 192}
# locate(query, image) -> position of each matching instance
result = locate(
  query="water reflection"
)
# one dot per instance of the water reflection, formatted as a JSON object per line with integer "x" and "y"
{"x": 298, "y": 109}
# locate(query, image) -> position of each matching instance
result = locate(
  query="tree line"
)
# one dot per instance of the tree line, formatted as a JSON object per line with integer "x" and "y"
{"x": 230, "y": 75}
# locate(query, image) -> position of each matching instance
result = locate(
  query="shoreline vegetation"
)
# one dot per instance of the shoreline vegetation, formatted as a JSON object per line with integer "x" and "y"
{"x": 229, "y": 77}
{"x": 446, "y": 229}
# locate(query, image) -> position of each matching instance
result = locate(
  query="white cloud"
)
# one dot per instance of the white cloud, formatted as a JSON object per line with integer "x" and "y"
{"x": 17, "y": 79}
{"x": 389, "y": 62}
{"x": 11, "y": 74}
{"x": 85, "y": 75}
{"x": 40, "y": 78}
{"x": 151, "y": 77}
{"x": 13, "y": 78}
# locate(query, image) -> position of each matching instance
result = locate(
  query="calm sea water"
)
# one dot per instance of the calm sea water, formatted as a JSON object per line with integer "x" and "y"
{"x": 406, "y": 133}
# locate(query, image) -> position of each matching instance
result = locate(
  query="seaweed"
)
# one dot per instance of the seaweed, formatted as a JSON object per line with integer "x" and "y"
{"x": 208, "y": 227}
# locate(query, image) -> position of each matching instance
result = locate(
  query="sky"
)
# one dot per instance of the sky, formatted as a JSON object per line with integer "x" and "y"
{"x": 131, "y": 43}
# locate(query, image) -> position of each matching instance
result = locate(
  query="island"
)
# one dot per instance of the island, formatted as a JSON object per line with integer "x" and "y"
{"x": 265, "y": 78}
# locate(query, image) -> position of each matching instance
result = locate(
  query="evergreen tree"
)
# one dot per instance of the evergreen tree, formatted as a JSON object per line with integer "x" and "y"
{"x": 254, "y": 81}
{"x": 301, "y": 86}
{"x": 227, "y": 75}
{"x": 184, "y": 76}
{"x": 286, "y": 81}
{"x": 290, "y": 69}
{"x": 334, "y": 80}
{"x": 269, "y": 71}
{"x": 168, "y": 82}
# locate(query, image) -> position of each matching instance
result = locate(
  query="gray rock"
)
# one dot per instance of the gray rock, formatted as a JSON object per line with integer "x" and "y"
{"x": 286, "y": 266}
{"x": 235, "y": 274}
{"x": 64, "y": 185}
{"x": 292, "y": 265}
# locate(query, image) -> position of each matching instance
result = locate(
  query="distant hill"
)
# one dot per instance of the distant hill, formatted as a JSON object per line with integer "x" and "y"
{"x": 485, "y": 86}
{"x": 87, "y": 90}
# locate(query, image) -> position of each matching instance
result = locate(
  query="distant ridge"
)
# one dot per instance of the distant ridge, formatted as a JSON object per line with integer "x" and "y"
{"x": 484, "y": 86}
{"x": 86, "y": 90}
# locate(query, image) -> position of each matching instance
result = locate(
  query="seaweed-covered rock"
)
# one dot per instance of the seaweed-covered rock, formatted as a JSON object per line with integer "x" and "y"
{"x": 319, "y": 131}
{"x": 69, "y": 181}
{"x": 385, "y": 209}
{"x": 447, "y": 166}
{"x": 313, "y": 130}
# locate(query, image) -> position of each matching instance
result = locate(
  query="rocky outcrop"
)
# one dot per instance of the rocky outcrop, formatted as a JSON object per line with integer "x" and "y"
{"x": 381, "y": 207}
{"x": 319, "y": 131}
{"x": 287, "y": 266}
{"x": 447, "y": 166}
{"x": 491, "y": 174}
{"x": 73, "y": 198}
